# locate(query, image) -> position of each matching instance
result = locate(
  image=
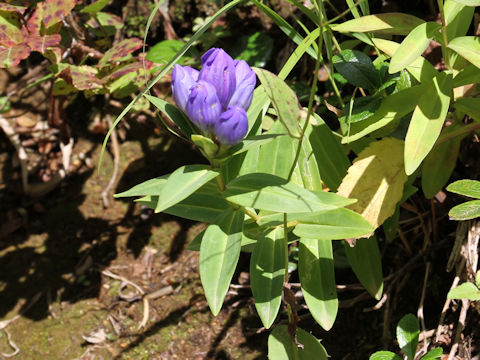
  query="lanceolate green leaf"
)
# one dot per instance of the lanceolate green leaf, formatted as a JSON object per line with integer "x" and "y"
{"x": 420, "y": 68}
{"x": 332, "y": 161}
{"x": 468, "y": 2}
{"x": 467, "y": 47}
{"x": 384, "y": 355}
{"x": 357, "y": 68}
{"x": 282, "y": 347}
{"x": 317, "y": 278}
{"x": 365, "y": 260}
{"x": 175, "y": 115}
{"x": 439, "y": 164}
{"x": 388, "y": 23}
{"x": 393, "y": 107}
{"x": 277, "y": 156}
{"x": 458, "y": 18}
{"x": 307, "y": 172}
{"x": 470, "y": 106}
{"x": 206, "y": 204}
{"x": 465, "y": 211}
{"x": 407, "y": 335}
{"x": 427, "y": 121}
{"x": 283, "y": 99}
{"x": 267, "y": 271}
{"x": 468, "y": 75}
{"x": 413, "y": 46}
{"x": 469, "y": 188}
{"x": 272, "y": 193}
{"x": 149, "y": 187}
{"x": 434, "y": 354}
{"x": 183, "y": 182}
{"x": 467, "y": 290}
{"x": 219, "y": 253}
{"x": 332, "y": 225}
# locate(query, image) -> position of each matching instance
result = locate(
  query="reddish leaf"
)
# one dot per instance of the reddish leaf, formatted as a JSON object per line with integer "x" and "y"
{"x": 49, "y": 12}
{"x": 10, "y": 29}
{"x": 41, "y": 43}
{"x": 81, "y": 77}
{"x": 12, "y": 56}
{"x": 12, "y": 8}
{"x": 119, "y": 51}
{"x": 126, "y": 69}
{"x": 54, "y": 10}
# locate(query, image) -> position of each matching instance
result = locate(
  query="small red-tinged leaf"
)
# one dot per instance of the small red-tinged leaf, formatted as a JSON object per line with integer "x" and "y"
{"x": 41, "y": 43}
{"x": 121, "y": 50}
{"x": 10, "y": 29}
{"x": 126, "y": 69}
{"x": 81, "y": 77}
{"x": 12, "y": 56}
{"x": 55, "y": 10}
{"x": 12, "y": 8}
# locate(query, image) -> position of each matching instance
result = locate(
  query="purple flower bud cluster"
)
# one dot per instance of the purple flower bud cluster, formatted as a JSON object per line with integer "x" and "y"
{"x": 216, "y": 97}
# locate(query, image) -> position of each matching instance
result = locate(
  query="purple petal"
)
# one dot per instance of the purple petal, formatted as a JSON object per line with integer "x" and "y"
{"x": 203, "y": 106}
{"x": 218, "y": 69}
{"x": 232, "y": 126}
{"x": 183, "y": 78}
{"x": 246, "y": 80}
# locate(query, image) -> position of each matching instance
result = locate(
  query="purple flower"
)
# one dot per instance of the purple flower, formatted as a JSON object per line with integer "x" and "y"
{"x": 203, "y": 106}
{"x": 183, "y": 78}
{"x": 232, "y": 126}
{"x": 245, "y": 80}
{"x": 218, "y": 69}
{"x": 217, "y": 97}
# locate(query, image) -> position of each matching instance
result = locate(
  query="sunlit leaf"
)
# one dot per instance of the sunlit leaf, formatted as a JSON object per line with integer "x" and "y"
{"x": 219, "y": 253}
{"x": 467, "y": 290}
{"x": 283, "y": 99}
{"x": 413, "y": 46}
{"x": 469, "y": 188}
{"x": 183, "y": 182}
{"x": 420, "y": 68}
{"x": 282, "y": 347}
{"x": 376, "y": 180}
{"x": 317, "y": 278}
{"x": 388, "y": 23}
{"x": 427, "y": 121}
{"x": 407, "y": 335}
{"x": 466, "y": 211}
{"x": 467, "y": 47}
{"x": 267, "y": 271}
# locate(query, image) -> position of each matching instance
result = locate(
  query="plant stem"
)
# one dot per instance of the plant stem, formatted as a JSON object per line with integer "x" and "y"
{"x": 285, "y": 241}
{"x": 464, "y": 130}
{"x": 445, "y": 50}
{"x": 312, "y": 95}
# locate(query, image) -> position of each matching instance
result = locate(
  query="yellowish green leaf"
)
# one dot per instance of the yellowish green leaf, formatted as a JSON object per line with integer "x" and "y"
{"x": 427, "y": 121}
{"x": 376, "y": 180}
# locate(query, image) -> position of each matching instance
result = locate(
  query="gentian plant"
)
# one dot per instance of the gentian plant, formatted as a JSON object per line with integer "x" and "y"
{"x": 216, "y": 98}
{"x": 262, "y": 191}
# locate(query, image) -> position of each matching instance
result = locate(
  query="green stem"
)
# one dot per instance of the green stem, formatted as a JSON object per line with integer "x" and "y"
{"x": 464, "y": 130}
{"x": 285, "y": 244}
{"x": 312, "y": 95}
{"x": 445, "y": 50}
